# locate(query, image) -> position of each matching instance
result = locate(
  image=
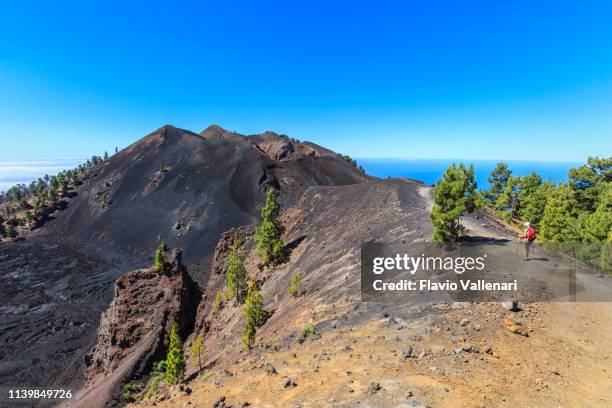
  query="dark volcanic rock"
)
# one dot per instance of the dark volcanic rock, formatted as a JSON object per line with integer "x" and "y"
{"x": 133, "y": 329}
{"x": 206, "y": 184}
{"x": 51, "y": 295}
{"x": 179, "y": 186}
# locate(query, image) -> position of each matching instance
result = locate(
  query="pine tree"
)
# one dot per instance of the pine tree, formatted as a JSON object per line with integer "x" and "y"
{"x": 455, "y": 195}
{"x": 235, "y": 277}
{"x": 11, "y": 232}
{"x": 53, "y": 198}
{"x": 197, "y": 350}
{"x": 270, "y": 248}
{"x": 533, "y": 204}
{"x": 509, "y": 199}
{"x": 296, "y": 286}
{"x": 254, "y": 314}
{"x": 105, "y": 155}
{"x": 559, "y": 223}
{"x": 498, "y": 179}
{"x": 160, "y": 263}
{"x": 175, "y": 363}
{"x": 41, "y": 186}
{"x": 29, "y": 218}
{"x": 597, "y": 226}
{"x": 589, "y": 181}
{"x": 248, "y": 334}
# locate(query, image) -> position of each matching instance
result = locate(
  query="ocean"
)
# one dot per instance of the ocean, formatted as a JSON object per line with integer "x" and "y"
{"x": 430, "y": 170}
{"x": 14, "y": 171}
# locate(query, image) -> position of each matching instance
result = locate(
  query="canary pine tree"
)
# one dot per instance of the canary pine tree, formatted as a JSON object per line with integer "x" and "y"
{"x": 254, "y": 314}
{"x": 498, "y": 179}
{"x": 160, "y": 263}
{"x": 559, "y": 219}
{"x": 235, "y": 277}
{"x": 197, "y": 350}
{"x": 175, "y": 363}
{"x": 270, "y": 248}
{"x": 454, "y": 196}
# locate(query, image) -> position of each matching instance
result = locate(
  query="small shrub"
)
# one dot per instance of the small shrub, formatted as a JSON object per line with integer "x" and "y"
{"x": 131, "y": 391}
{"x": 157, "y": 375}
{"x": 306, "y": 331}
{"x": 296, "y": 286}
{"x": 218, "y": 302}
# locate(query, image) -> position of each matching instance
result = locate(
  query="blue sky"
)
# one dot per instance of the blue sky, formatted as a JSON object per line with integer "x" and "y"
{"x": 467, "y": 80}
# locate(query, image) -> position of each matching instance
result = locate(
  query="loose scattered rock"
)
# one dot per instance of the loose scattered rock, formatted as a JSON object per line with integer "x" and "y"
{"x": 408, "y": 352}
{"x": 220, "y": 403}
{"x": 346, "y": 388}
{"x": 511, "y": 305}
{"x": 467, "y": 348}
{"x": 515, "y": 327}
{"x": 374, "y": 388}
{"x": 269, "y": 368}
{"x": 288, "y": 382}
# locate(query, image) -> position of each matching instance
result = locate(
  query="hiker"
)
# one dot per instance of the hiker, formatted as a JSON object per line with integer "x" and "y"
{"x": 529, "y": 235}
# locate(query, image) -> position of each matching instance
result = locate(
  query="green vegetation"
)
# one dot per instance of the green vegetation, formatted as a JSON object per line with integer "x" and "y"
{"x": 31, "y": 204}
{"x": 175, "y": 364}
{"x": 296, "y": 286}
{"x": 160, "y": 262}
{"x": 351, "y": 161}
{"x": 131, "y": 391}
{"x": 197, "y": 350}
{"x": 157, "y": 375}
{"x": 235, "y": 277}
{"x": 306, "y": 331}
{"x": 218, "y": 302}
{"x": 454, "y": 195}
{"x": 254, "y": 314}
{"x": 499, "y": 180}
{"x": 270, "y": 248}
{"x": 11, "y": 232}
{"x": 574, "y": 217}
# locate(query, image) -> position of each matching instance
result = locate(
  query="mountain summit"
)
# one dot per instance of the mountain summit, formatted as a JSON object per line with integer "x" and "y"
{"x": 187, "y": 188}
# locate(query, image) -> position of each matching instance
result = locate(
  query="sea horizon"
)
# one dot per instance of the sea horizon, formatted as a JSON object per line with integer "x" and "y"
{"x": 24, "y": 170}
{"x": 431, "y": 170}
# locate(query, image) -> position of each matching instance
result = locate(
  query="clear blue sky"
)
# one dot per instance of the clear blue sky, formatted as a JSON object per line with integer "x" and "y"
{"x": 426, "y": 79}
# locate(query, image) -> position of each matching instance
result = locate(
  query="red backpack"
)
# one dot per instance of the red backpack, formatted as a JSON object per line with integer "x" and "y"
{"x": 531, "y": 234}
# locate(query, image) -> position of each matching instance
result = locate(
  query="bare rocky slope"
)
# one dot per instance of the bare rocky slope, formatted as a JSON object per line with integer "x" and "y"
{"x": 173, "y": 185}
{"x": 324, "y": 347}
{"x": 188, "y": 188}
{"x": 434, "y": 354}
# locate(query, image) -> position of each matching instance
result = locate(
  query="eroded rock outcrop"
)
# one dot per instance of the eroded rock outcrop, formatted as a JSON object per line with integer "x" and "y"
{"x": 132, "y": 332}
